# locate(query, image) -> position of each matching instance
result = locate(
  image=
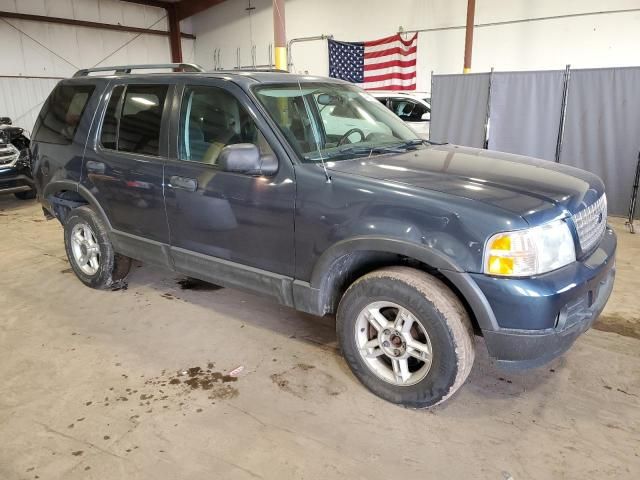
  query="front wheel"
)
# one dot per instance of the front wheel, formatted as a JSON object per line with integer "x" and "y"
{"x": 406, "y": 336}
{"x": 90, "y": 251}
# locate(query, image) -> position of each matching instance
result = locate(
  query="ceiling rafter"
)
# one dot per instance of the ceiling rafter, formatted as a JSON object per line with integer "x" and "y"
{"x": 84, "y": 23}
{"x": 183, "y": 8}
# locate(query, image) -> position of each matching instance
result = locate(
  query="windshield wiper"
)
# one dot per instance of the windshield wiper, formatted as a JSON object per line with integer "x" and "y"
{"x": 401, "y": 147}
{"x": 352, "y": 151}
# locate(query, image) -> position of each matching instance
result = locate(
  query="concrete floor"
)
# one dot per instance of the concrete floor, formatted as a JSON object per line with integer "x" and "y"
{"x": 90, "y": 387}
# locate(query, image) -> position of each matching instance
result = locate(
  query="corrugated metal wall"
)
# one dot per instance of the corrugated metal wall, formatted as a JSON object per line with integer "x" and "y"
{"x": 34, "y": 49}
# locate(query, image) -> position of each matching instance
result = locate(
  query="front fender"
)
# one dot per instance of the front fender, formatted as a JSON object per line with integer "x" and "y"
{"x": 345, "y": 261}
{"x": 424, "y": 254}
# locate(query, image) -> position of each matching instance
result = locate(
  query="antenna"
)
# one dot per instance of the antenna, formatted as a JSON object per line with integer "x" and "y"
{"x": 316, "y": 134}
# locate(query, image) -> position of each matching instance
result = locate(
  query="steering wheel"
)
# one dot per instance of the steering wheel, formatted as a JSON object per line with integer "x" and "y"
{"x": 345, "y": 137}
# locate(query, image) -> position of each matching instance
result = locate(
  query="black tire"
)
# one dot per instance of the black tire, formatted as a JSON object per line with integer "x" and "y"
{"x": 439, "y": 312}
{"x": 113, "y": 267}
{"x": 28, "y": 195}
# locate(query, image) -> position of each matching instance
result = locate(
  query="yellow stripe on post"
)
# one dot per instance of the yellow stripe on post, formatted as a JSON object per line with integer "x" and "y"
{"x": 281, "y": 58}
{"x": 466, "y": 70}
{"x": 279, "y": 35}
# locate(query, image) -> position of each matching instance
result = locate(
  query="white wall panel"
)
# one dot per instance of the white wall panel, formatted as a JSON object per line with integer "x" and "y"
{"x": 8, "y": 5}
{"x": 589, "y": 41}
{"x": 82, "y": 47}
{"x": 31, "y": 7}
{"x": 86, "y": 10}
{"x": 61, "y": 8}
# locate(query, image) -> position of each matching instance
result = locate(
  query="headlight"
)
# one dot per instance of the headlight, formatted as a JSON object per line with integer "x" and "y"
{"x": 533, "y": 251}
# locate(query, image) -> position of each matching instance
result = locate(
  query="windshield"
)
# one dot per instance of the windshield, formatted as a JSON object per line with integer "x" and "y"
{"x": 335, "y": 121}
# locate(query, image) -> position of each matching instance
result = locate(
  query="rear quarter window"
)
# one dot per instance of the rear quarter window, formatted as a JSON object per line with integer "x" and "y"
{"x": 61, "y": 114}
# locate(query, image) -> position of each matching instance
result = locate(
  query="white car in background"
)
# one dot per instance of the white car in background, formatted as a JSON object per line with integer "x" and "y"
{"x": 343, "y": 117}
{"x": 414, "y": 108}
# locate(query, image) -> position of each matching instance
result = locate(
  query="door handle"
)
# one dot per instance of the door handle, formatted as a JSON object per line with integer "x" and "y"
{"x": 183, "y": 183}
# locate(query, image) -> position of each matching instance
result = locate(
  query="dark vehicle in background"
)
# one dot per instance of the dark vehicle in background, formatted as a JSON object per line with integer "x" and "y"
{"x": 15, "y": 161}
{"x": 261, "y": 181}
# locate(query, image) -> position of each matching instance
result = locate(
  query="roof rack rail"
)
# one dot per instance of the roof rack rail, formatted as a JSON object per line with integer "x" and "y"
{"x": 249, "y": 70}
{"x": 187, "y": 67}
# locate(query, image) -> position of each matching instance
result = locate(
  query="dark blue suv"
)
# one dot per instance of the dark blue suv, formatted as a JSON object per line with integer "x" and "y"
{"x": 308, "y": 190}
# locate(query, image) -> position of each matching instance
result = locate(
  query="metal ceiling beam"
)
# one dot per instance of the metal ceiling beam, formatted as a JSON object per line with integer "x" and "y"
{"x": 184, "y": 8}
{"x": 150, "y": 3}
{"x": 87, "y": 24}
{"x": 188, "y": 8}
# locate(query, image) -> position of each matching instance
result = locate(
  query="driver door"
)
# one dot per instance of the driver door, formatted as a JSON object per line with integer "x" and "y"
{"x": 229, "y": 228}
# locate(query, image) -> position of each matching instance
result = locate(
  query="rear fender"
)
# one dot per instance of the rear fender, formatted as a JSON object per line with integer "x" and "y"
{"x": 55, "y": 202}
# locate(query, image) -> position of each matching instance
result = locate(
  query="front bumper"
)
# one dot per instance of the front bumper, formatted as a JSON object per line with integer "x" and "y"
{"x": 537, "y": 319}
{"x": 13, "y": 180}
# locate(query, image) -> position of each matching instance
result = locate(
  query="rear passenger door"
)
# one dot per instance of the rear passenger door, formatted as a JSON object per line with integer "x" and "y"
{"x": 125, "y": 169}
{"x": 230, "y": 228}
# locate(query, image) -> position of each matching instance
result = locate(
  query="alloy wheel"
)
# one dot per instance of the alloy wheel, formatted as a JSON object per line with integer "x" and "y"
{"x": 85, "y": 249}
{"x": 393, "y": 343}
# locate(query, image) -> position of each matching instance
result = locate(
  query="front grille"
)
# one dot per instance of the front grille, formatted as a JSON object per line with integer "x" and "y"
{"x": 8, "y": 155}
{"x": 591, "y": 223}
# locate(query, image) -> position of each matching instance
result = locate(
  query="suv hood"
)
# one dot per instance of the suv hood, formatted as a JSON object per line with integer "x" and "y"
{"x": 536, "y": 190}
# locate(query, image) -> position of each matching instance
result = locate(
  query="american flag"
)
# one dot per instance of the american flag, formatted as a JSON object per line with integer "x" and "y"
{"x": 388, "y": 63}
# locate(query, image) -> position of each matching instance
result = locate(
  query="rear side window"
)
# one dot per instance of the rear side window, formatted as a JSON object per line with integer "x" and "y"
{"x": 109, "y": 135}
{"x": 133, "y": 118}
{"x": 61, "y": 114}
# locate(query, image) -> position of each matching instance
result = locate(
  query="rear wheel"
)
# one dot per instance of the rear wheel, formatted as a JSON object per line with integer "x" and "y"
{"x": 406, "y": 336}
{"x": 28, "y": 195}
{"x": 90, "y": 251}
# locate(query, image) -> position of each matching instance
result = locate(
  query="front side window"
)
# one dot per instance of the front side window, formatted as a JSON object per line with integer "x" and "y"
{"x": 334, "y": 121}
{"x": 133, "y": 119}
{"x": 212, "y": 118}
{"x": 61, "y": 114}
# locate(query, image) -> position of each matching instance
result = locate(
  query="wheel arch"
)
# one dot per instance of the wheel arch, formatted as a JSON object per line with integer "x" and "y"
{"x": 346, "y": 261}
{"x": 62, "y": 196}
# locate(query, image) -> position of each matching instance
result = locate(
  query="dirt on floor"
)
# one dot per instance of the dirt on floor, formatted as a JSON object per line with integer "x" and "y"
{"x": 616, "y": 323}
{"x": 169, "y": 378}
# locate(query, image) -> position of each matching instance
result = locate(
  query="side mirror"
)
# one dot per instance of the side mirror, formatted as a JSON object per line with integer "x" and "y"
{"x": 426, "y": 116}
{"x": 245, "y": 158}
{"x": 325, "y": 99}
